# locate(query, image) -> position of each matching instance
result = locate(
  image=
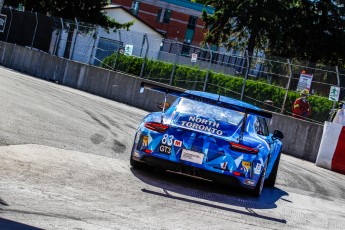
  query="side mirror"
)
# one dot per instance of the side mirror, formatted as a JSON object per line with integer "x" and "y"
{"x": 277, "y": 135}
{"x": 167, "y": 105}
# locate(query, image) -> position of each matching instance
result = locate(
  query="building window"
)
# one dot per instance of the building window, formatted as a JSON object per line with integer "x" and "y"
{"x": 167, "y": 15}
{"x": 189, "y": 36}
{"x": 158, "y": 18}
{"x": 190, "y": 29}
{"x": 192, "y": 22}
{"x": 135, "y": 7}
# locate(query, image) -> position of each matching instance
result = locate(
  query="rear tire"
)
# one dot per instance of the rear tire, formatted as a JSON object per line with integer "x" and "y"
{"x": 271, "y": 180}
{"x": 259, "y": 186}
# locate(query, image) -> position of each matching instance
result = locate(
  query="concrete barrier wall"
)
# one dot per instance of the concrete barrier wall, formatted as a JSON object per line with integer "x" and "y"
{"x": 302, "y": 138}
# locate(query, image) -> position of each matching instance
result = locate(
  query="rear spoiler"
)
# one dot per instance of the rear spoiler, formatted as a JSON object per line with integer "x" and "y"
{"x": 179, "y": 92}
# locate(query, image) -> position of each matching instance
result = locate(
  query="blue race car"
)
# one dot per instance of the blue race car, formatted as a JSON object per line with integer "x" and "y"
{"x": 209, "y": 136}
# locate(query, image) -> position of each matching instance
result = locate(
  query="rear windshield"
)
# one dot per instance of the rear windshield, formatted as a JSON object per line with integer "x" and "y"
{"x": 208, "y": 118}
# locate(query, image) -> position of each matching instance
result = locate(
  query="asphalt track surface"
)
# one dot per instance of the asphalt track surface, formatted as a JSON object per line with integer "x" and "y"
{"x": 64, "y": 164}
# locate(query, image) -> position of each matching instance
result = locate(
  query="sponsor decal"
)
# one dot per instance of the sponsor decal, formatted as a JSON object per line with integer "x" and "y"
{"x": 165, "y": 149}
{"x": 177, "y": 143}
{"x": 249, "y": 182}
{"x": 203, "y": 125}
{"x": 246, "y": 165}
{"x": 145, "y": 141}
{"x": 223, "y": 165}
{"x": 191, "y": 156}
{"x": 257, "y": 168}
{"x": 167, "y": 140}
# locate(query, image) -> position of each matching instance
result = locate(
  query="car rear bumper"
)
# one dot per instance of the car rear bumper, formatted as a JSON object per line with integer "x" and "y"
{"x": 190, "y": 170}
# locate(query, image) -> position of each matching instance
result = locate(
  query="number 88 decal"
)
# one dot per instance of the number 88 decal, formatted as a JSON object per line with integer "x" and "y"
{"x": 167, "y": 140}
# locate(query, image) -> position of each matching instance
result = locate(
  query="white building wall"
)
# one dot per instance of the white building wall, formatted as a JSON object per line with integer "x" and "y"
{"x": 136, "y": 39}
{"x": 85, "y": 46}
{"x": 136, "y": 34}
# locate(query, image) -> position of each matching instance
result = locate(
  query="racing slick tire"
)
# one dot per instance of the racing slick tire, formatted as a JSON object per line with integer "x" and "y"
{"x": 260, "y": 185}
{"x": 271, "y": 180}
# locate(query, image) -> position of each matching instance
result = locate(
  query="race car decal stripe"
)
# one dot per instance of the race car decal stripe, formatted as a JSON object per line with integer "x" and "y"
{"x": 188, "y": 142}
{"x": 339, "y": 156}
{"x": 154, "y": 142}
{"x": 205, "y": 149}
{"x": 238, "y": 160}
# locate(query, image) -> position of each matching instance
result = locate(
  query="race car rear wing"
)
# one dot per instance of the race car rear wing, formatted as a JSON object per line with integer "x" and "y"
{"x": 160, "y": 87}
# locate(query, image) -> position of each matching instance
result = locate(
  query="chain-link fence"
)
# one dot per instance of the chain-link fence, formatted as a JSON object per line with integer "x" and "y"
{"x": 268, "y": 82}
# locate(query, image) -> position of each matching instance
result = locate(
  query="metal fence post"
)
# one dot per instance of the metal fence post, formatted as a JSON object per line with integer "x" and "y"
{"x": 57, "y": 45}
{"x": 144, "y": 62}
{"x": 120, "y": 38}
{"x": 93, "y": 46}
{"x": 246, "y": 75}
{"x": 209, "y": 67}
{"x": 176, "y": 60}
{"x": 9, "y": 26}
{"x": 117, "y": 54}
{"x": 33, "y": 38}
{"x": 142, "y": 45}
{"x": 287, "y": 86}
{"x": 75, "y": 38}
{"x": 338, "y": 81}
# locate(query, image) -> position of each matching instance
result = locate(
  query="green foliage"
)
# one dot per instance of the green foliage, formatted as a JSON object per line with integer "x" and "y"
{"x": 302, "y": 29}
{"x": 193, "y": 78}
{"x": 243, "y": 23}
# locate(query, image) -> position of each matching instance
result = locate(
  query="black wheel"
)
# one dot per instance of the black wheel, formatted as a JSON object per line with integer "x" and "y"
{"x": 259, "y": 186}
{"x": 271, "y": 180}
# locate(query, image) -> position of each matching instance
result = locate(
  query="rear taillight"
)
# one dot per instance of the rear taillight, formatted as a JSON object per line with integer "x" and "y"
{"x": 237, "y": 173}
{"x": 156, "y": 126}
{"x": 243, "y": 148}
{"x": 147, "y": 151}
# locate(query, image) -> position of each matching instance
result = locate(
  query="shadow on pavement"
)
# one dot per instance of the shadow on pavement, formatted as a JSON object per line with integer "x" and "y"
{"x": 208, "y": 191}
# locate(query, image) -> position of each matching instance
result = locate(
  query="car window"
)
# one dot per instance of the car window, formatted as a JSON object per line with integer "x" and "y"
{"x": 217, "y": 113}
{"x": 260, "y": 126}
{"x": 206, "y": 118}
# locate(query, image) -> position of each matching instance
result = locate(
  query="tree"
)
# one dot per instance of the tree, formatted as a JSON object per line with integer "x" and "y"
{"x": 84, "y": 10}
{"x": 305, "y": 29}
{"x": 317, "y": 32}
{"x": 242, "y": 23}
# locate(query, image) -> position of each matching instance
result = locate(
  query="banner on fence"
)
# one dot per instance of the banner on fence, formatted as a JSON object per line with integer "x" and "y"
{"x": 334, "y": 93}
{"x": 194, "y": 57}
{"x": 304, "y": 81}
{"x": 128, "y": 50}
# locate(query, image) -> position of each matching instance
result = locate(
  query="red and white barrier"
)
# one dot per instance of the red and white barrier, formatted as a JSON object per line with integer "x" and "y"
{"x": 332, "y": 148}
